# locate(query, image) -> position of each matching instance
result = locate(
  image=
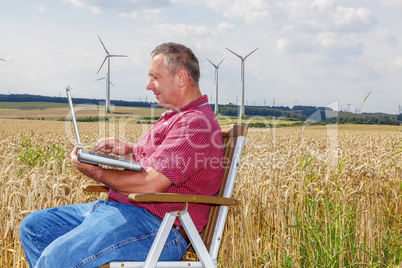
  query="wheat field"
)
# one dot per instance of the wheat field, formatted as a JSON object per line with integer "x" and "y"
{"x": 310, "y": 196}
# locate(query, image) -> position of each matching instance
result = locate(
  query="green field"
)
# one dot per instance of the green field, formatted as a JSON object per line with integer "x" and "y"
{"x": 30, "y": 105}
{"x": 52, "y": 111}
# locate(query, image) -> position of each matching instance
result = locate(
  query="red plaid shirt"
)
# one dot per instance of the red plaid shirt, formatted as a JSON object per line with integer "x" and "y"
{"x": 186, "y": 146}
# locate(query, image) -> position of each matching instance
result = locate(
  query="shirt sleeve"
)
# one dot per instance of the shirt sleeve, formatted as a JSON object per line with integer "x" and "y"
{"x": 185, "y": 149}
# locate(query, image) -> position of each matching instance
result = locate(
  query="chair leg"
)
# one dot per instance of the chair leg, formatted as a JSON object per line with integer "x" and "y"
{"x": 160, "y": 240}
{"x": 196, "y": 240}
{"x": 163, "y": 233}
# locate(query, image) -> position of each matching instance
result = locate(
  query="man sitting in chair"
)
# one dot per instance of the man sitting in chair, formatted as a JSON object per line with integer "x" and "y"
{"x": 181, "y": 153}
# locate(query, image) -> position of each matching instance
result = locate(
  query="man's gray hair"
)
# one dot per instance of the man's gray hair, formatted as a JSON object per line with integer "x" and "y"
{"x": 179, "y": 57}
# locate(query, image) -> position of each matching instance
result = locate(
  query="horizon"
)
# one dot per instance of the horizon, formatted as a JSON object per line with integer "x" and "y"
{"x": 102, "y": 103}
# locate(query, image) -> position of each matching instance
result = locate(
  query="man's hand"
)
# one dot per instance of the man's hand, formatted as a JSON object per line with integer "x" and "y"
{"x": 125, "y": 182}
{"x": 115, "y": 146}
{"x": 87, "y": 169}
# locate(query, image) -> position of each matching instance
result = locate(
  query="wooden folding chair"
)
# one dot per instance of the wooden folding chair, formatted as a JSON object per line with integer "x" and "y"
{"x": 206, "y": 245}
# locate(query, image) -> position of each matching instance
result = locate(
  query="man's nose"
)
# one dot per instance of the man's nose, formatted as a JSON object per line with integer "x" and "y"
{"x": 150, "y": 85}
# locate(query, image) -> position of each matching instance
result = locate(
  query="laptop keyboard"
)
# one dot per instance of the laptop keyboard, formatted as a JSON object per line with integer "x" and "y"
{"x": 102, "y": 155}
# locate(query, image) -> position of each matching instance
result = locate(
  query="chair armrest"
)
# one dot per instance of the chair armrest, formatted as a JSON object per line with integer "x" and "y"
{"x": 183, "y": 198}
{"x": 95, "y": 188}
{"x": 168, "y": 197}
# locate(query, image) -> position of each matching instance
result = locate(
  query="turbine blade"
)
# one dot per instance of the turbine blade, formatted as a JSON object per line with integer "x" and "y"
{"x": 211, "y": 63}
{"x": 234, "y": 53}
{"x": 102, "y": 64}
{"x": 100, "y": 79}
{"x": 107, "y": 52}
{"x": 220, "y": 62}
{"x": 2, "y": 59}
{"x": 118, "y": 56}
{"x": 111, "y": 83}
{"x": 251, "y": 53}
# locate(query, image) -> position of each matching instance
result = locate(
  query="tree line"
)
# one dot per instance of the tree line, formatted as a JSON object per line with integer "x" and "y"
{"x": 38, "y": 98}
{"x": 316, "y": 115}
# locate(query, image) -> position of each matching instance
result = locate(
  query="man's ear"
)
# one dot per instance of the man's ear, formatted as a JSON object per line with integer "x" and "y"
{"x": 182, "y": 77}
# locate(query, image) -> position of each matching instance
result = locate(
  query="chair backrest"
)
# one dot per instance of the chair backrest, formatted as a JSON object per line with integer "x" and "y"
{"x": 233, "y": 140}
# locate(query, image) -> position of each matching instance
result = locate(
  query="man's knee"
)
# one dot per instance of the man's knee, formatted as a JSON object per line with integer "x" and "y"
{"x": 28, "y": 237}
{"x": 28, "y": 225}
{"x": 42, "y": 228}
{"x": 56, "y": 256}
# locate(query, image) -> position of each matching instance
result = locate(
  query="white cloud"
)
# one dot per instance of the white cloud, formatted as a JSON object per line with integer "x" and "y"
{"x": 322, "y": 27}
{"x": 250, "y": 11}
{"x": 397, "y": 62}
{"x": 127, "y": 6}
{"x": 305, "y": 15}
{"x": 389, "y": 3}
{"x": 41, "y": 9}
{"x": 305, "y": 26}
{"x": 86, "y": 4}
{"x": 326, "y": 43}
{"x": 341, "y": 45}
{"x": 144, "y": 15}
{"x": 183, "y": 30}
{"x": 132, "y": 15}
{"x": 293, "y": 45}
{"x": 224, "y": 26}
{"x": 384, "y": 35}
{"x": 334, "y": 18}
{"x": 322, "y": 5}
{"x": 193, "y": 36}
{"x": 351, "y": 19}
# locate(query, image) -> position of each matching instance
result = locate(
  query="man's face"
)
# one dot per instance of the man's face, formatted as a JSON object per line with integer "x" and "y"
{"x": 163, "y": 85}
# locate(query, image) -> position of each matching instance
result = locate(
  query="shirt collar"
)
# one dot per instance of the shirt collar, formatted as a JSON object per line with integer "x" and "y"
{"x": 195, "y": 103}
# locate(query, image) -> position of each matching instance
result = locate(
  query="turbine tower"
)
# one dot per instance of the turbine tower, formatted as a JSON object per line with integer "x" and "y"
{"x": 216, "y": 84}
{"x": 242, "y": 79}
{"x": 108, "y": 56}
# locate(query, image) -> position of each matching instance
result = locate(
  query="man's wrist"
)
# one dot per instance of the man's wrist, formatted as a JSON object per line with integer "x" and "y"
{"x": 98, "y": 174}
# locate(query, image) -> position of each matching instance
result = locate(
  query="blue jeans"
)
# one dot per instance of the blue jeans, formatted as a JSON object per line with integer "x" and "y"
{"x": 90, "y": 235}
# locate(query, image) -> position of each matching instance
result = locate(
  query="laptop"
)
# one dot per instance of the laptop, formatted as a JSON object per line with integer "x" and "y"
{"x": 97, "y": 158}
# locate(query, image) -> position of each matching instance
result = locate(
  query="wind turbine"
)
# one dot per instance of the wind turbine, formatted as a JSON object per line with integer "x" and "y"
{"x": 242, "y": 79}
{"x": 107, "y": 81}
{"x": 216, "y": 83}
{"x": 108, "y": 56}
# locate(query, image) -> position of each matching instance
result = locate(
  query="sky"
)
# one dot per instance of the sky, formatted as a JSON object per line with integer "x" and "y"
{"x": 310, "y": 52}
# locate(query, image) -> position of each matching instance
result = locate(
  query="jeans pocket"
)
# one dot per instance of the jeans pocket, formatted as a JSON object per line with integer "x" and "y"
{"x": 98, "y": 204}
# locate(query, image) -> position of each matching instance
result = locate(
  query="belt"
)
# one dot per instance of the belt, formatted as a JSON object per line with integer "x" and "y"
{"x": 182, "y": 232}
